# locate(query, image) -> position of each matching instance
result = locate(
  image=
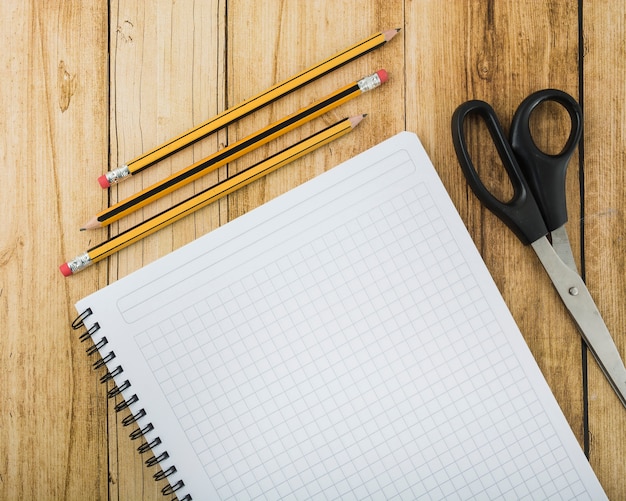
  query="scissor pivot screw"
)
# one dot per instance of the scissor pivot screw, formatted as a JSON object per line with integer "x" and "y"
{"x": 573, "y": 291}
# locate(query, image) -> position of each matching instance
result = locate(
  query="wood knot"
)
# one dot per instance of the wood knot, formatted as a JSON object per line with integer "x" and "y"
{"x": 8, "y": 253}
{"x": 126, "y": 31}
{"x": 66, "y": 83}
{"x": 486, "y": 60}
{"x": 484, "y": 68}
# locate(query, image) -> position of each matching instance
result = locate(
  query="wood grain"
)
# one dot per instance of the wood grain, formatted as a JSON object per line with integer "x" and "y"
{"x": 50, "y": 147}
{"x": 284, "y": 47}
{"x": 167, "y": 75}
{"x": 501, "y": 53}
{"x": 604, "y": 222}
{"x": 89, "y": 85}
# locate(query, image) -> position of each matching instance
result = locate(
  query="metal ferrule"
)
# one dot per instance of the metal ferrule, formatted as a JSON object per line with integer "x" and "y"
{"x": 369, "y": 82}
{"x": 79, "y": 262}
{"x": 116, "y": 175}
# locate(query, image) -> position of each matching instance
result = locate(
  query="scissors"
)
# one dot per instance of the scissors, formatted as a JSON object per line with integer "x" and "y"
{"x": 538, "y": 209}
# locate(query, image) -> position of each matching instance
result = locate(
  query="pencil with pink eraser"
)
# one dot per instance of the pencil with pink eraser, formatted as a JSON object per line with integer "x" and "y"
{"x": 246, "y": 107}
{"x": 235, "y": 150}
{"x": 212, "y": 194}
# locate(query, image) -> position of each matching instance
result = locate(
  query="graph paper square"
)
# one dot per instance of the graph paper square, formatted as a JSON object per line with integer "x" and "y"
{"x": 344, "y": 342}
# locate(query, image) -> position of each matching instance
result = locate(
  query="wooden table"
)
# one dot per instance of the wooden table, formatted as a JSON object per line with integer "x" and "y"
{"x": 89, "y": 85}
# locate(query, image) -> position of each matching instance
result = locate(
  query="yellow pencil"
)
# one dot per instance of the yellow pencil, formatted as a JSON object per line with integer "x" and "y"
{"x": 246, "y": 107}
{"x": 204, "y": 198}
{"x": 234, "y": 151}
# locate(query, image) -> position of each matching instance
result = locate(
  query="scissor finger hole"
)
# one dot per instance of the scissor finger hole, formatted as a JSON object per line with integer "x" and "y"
{"x": 486, "y": 159}
{"x": 550, "y": 127}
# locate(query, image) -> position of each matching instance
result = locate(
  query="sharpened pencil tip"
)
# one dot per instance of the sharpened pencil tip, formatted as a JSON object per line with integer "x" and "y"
{"x": 91, "y": 224}
{"x": 389, "y": 34}
{"x": 356, "y": 120}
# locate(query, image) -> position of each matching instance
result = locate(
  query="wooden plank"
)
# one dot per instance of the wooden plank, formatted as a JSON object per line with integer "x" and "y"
{"x": 167, "y": 75}
{"x": 500, "y": 52}
{"x": 53, "y": 99}
{"x": 604, "y": 72}
{"x": 292, "y": 37}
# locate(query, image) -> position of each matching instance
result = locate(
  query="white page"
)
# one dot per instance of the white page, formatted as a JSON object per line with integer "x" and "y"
{"x": 343, "y": 341}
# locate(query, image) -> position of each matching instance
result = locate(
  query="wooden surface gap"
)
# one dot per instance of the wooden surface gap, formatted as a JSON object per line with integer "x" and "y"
{"x": 584, "y": 352}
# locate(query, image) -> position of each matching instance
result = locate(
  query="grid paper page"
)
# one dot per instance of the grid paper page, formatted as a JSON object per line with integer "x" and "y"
{"x": 344, "y": 343}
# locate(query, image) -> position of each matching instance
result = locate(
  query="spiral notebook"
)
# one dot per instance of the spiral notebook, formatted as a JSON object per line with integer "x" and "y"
{"x": 343, "y": 341}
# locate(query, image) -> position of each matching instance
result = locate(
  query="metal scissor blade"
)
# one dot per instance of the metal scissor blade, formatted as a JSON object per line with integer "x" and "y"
{"x": 560, "y": 242}
{"x": 583, "y": 310}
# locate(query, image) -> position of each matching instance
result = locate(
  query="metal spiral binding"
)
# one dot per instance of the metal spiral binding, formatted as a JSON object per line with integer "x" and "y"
{"x": 125, "y": 404}
{"x": 104, "y": 360}
{"x": 111, "y": 374}
{"x": 88, "y": 334}
{"x": 133, "y": 418}
{"x": 100, "y": 344}
{"x": 116, "y": 390}
{"x": 155, "y": 460}
{"x": 168, "y": 490}
{"x": 145, "y": 447}
{"x": 140, "y": 432}
{"x": 79, "y": 321}
{"x": 160, "y": 475}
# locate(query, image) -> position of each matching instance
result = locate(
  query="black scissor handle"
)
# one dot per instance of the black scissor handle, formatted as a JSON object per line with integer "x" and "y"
{"x": 545, "y": 173}
{"x": 521, "y": 213}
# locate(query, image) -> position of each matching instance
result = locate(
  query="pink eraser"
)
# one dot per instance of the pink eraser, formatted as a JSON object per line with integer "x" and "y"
{"x": 382, "y": 74}
{"x": 104, "y": 182}
{"x": 65, "y": 269}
